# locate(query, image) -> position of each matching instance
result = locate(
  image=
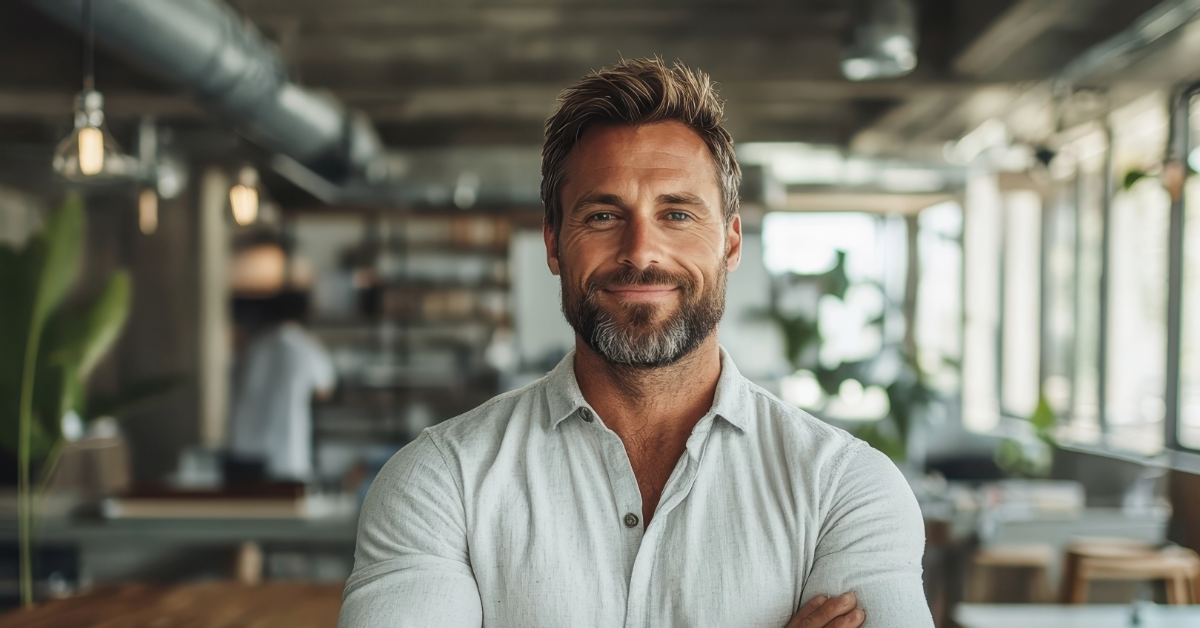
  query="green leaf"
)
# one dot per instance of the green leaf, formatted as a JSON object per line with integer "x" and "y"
{"x": 60, "y": 260}
{"x": 1044, "y": 419}
{"x": 835, "y": 280}
{"x": 87, "y": 334}
{"x": 1132, "y": 177}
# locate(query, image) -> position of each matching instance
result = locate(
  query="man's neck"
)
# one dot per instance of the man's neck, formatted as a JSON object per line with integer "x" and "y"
{"x": 650, "y": 402}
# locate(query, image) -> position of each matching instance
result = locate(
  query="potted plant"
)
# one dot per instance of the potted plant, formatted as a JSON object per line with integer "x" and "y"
{"x": 48, "y": 350}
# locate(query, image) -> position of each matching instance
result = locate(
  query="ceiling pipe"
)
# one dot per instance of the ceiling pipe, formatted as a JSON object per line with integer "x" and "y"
{"x": 1116, "y": 51}
{"x": 227, "y": 63}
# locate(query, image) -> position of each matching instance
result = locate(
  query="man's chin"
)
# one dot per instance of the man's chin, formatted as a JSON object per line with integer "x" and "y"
{"x": 639, "y": 317}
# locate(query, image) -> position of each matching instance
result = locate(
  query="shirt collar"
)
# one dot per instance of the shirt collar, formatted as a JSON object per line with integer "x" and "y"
{"x": 565, "y": 399}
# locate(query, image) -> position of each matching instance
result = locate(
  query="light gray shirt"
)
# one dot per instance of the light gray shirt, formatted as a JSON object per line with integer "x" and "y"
{"x": 525, "y": 512}
{"x": 272, "y": 418}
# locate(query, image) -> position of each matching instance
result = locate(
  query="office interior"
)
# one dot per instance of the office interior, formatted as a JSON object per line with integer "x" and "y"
{"x": 972, "y": 239}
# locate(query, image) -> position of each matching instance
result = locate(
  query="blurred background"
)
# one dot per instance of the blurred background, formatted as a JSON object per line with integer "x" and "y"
{"x": 250, "y": 248}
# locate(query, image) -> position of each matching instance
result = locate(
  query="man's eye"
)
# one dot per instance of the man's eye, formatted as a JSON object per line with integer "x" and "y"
{"x": 677, "y": 216}
{"x": 601, "y": 217}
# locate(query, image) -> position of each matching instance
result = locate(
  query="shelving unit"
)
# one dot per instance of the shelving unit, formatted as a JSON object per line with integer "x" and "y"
{"x": 407, "y": 304}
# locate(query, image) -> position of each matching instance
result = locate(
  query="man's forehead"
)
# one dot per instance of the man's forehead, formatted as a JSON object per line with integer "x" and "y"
{"x": 667, "y": 153}
{"x": 668, "y": 136}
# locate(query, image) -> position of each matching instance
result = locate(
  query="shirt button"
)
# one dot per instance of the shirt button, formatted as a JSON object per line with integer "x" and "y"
{"x": 585, "y": 414}
{"x": 631, "y": 520}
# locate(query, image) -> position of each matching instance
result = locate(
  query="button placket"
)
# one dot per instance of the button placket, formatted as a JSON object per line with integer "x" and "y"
{"x": 678, "y": 487}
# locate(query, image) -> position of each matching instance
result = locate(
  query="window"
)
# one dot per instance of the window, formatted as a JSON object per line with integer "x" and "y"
{"x": 939, "y": 295}
{"x": 1072, "y": 292}
{"x": 1189, "y": 359}
{"x": 981, "y": 249}
{"x": 1136, "y": 335}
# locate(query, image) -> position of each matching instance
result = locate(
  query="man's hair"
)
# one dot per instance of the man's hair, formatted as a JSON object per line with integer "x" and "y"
{"x": 635, "y": 92}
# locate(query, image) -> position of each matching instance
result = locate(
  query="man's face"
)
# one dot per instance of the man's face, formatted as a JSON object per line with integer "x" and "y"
{"x": 643, "y": 247}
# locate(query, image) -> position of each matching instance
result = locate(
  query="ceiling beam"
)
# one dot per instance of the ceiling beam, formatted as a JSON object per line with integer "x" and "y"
{"x": 1022, "y": 23}
{"x": 55, "y": 103}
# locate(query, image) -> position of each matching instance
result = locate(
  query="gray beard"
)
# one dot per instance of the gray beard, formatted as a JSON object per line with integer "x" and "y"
{"x": 660, "y": 347}
{"x": 641, "y": 343}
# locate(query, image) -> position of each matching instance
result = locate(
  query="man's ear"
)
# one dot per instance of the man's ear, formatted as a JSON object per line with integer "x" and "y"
{"x": 551, "y": 246}
{"x": 733, "y": 238}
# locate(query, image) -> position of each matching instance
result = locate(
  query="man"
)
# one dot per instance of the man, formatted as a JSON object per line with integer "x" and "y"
{"x": 643, "y": 482}
{"x": 284, "y": 368}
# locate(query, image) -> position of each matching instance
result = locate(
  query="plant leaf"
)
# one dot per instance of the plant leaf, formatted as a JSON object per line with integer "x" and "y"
{"x": 97, "y": 327}
{"x": 1044, "y": 419}
{"x": 63, "y": 237}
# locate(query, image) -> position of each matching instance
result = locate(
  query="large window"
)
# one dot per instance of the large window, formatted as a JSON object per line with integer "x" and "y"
{"x": 1079, "y": 288}
{"x": 1136, "y": 339}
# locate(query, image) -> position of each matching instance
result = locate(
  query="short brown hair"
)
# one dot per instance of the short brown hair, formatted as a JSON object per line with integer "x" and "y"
{"x": 635, "y": 92}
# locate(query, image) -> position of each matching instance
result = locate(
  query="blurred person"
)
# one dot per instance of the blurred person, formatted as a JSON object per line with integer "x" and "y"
{"x": 283, "y": 369}
{"x": 644, "y": 481}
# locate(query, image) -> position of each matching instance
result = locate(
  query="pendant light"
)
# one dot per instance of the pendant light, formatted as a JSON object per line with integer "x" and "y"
{"x": 883, "y": 42}
{"x": 90, "y": 153}
{"x": 243, "y": 197}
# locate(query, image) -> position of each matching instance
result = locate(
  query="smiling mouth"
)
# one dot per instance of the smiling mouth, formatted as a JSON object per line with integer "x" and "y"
{"x": 641, "y": 292}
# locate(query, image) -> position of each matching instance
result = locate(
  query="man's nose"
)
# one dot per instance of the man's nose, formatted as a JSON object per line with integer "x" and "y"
{"x": 641, "y": 243}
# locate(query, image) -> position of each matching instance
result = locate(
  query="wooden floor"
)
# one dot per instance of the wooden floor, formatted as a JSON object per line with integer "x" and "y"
{"x": 206, "y": 605}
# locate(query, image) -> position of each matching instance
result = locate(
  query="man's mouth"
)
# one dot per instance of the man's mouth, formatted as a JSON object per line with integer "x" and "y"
{"x": 642, "y": 292}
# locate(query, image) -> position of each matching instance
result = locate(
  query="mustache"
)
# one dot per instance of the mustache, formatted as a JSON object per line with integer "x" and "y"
{"x": 649, "y": 276}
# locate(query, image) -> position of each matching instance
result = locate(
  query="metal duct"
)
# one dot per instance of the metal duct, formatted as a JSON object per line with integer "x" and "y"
{"x": 226, "y": 62}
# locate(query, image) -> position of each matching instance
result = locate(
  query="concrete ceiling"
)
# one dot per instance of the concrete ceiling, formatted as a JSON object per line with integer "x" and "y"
{"x": 456, "y": 73}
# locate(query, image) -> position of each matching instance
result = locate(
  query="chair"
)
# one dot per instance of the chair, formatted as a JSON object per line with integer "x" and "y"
{"x": 1028, "y": 562}
{"x": 1091, "y": 560}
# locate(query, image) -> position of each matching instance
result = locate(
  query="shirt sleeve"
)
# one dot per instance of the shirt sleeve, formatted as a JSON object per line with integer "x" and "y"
{"x": 871, "y": 543}
{"x": 411, "y": 566}
{"x": 324, "y": 375}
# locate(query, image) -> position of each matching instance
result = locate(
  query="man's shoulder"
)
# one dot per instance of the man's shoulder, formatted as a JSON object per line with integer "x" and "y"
{"x": 808, "y": 446}
{"x": 490, "y": 420}
{"x": 784, "y": 419}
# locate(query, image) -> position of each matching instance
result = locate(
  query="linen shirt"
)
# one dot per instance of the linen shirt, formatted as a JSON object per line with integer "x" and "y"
{"x": 526, "y": 512}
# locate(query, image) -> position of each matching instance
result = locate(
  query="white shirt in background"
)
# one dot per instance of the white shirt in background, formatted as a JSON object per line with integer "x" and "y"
{"x": 272, "y": 417}
{"x": 525, "y": 512}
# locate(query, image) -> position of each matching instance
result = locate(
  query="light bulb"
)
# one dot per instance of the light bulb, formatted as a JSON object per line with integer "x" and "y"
{"x": 90, "y": 153}
{"x": 91, "y": 150}
{"x": 244, "y": 200}
{"x": 148, "y": 211}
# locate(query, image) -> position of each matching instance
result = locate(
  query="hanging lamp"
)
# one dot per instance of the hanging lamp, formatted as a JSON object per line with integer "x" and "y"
{"x": 243, "y": 196}
{"x": 90, "y": 153}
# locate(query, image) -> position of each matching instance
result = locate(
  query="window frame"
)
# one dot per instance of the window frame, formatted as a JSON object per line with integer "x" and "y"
{"x": 1174, "y": 454}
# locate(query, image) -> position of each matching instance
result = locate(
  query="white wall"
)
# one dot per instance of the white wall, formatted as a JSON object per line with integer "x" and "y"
{"x": 541, "y": 329}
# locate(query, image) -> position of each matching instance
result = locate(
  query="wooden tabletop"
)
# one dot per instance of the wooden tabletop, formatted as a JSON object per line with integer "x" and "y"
{"x": 1076, "y": 616}
{"x": 205, "y": 605}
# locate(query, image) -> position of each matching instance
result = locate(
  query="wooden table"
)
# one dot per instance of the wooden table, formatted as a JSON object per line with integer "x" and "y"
{"x": 1080, "y": 616}
{"x": 206, "y": 605}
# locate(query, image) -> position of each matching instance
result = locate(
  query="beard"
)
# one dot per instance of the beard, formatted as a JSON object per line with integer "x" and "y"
{"x": 627, "y": 334}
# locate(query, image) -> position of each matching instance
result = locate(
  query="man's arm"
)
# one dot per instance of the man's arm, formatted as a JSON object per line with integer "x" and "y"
{"x": 871, "y": 544}
{"x": 411, "y": 566}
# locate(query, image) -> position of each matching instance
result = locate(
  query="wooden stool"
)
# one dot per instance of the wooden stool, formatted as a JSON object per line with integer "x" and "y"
{"x": 1089, "y": 560}
{"x": 1033, "y": 558}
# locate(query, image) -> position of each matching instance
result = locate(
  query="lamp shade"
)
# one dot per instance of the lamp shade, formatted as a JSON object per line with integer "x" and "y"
{"x": 90, "y": 153}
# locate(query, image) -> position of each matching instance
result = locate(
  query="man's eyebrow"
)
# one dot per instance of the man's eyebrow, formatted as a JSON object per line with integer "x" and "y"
{"x": 682, "y": 198}
{"x": 599, "y": 199}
